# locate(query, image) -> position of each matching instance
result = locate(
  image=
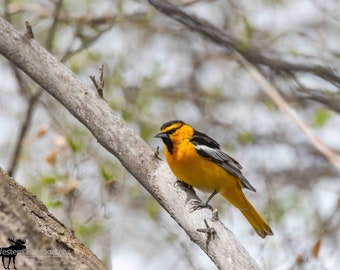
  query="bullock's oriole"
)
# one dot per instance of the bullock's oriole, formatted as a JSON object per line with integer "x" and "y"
{"x": 197, "y": 160}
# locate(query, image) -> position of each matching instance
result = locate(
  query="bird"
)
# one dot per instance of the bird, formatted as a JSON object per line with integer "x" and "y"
{"x": 198, "y": 161}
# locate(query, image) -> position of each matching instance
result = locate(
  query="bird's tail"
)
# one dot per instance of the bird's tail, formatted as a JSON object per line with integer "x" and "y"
{"x": 238, "y": 199}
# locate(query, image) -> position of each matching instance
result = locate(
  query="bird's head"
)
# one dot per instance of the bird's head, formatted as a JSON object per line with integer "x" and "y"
{"x": 173, "y": 132}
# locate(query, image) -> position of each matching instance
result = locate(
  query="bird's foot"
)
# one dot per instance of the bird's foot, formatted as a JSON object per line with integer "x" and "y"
{"x": 199, "y": 205}
{"x": 180, "y": 183}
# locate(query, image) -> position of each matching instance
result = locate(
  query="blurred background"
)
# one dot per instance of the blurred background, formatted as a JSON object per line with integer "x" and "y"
{"x": 156, "y": 70}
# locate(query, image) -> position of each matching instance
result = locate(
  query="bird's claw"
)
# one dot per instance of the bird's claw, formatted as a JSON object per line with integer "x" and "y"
{"x": 199, "y": 205}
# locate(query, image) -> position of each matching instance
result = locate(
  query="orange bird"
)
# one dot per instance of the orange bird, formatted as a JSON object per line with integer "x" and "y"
{"x": 197, "y": 160}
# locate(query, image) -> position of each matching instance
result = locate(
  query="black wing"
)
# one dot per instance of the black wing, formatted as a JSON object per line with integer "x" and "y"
{"x": 209, "y": 148}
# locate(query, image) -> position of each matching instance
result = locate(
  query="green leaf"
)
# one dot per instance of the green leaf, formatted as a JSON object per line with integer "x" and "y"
{"x": 321, "y": 117}
{"x": 246, "y": 137}
{"x": 49, "y": 180}
{"x": 89, "y": 230}
{"x": 54, "y": 204}
{"x": 270, "y": 105}
{"x": 248, "y": 30}
{"x": 294, "y": 53}
{"x": 108, "y": 174}
{"x": 75, "y": 145}
{"x": 152, "y": 208}
{"x": 146, "y": 131}
{"x": 172, "y": 237}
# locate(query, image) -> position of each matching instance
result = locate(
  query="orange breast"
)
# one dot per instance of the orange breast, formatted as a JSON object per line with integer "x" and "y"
{"x": 197, "y": 171}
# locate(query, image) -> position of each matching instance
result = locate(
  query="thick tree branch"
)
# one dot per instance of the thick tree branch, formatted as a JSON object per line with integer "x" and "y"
{"x": 24, "y": 216}
{"x": 114, "y": 134}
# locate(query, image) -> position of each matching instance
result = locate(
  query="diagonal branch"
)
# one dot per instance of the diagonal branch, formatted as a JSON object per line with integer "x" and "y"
{"x": 329, "y": 99}
{"x": 275, "y": 95}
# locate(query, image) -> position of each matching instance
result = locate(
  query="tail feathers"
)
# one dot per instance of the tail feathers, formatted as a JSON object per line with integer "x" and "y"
{"x": 238, "y": 199}
{"x": 257, "y": 222}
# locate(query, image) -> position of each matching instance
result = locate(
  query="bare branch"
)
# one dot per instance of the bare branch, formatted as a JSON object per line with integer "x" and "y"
{"x": 275, "y": 95}
{"x": 23, "y": 131}
{"x": 86, "y": 42}
{"x": 329, "y": 99}
{"x": 252, "y": 54}
{"x": 53, "y": 28}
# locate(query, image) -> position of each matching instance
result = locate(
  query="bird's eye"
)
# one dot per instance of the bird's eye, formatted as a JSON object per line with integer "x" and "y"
{"x": 171, "y": 131}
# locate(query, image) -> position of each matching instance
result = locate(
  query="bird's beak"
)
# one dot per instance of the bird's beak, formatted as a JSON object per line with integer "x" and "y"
{"x": 162, "y": 135}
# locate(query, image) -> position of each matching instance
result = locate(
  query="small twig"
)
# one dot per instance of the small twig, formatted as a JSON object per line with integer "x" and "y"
{"x": 156, "y": 153}
{"x": 100, "y": 85}
{"x": 210, "y": 231}
{"x": 29, "y": 33}
{"x": 23, "y": 131}
{"x": 85, "y": 44}
{"x": 53, "y": 29}
{"x": 93, "y": 79}
{"x": 101, "y": 80}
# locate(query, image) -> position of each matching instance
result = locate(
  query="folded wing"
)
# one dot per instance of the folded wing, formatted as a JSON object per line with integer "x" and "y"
{"x": 209, "y": 148}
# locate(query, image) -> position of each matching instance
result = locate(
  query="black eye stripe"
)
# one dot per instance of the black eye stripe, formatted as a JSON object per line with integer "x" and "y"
{"x": 171, "y": 131}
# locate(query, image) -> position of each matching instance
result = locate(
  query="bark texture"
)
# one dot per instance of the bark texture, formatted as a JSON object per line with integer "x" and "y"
{"x": 49, "y": 244}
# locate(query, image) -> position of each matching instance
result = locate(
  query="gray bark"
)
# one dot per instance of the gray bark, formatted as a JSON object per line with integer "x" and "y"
{"x": 49, "y": 244}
